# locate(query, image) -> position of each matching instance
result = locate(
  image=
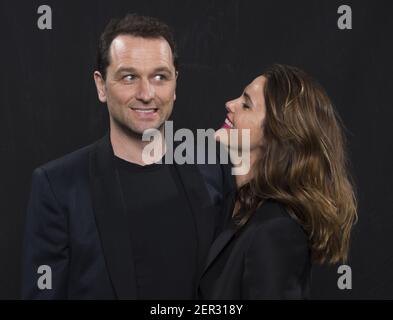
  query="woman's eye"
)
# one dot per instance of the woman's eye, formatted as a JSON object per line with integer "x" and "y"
{"x": 246, "y": 106}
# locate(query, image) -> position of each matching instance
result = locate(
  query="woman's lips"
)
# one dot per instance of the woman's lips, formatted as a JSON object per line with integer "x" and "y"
{"x": 227, "y": 124}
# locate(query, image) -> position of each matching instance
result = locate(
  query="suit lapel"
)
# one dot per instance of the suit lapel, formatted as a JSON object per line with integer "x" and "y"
{"x": 203, "y": 211}
{"x": 111, "y": 219}
{"x": 219, "y": 244}
{"x": 228, "y": 233}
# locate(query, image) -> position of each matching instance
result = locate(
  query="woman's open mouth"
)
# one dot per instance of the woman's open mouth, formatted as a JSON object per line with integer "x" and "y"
{"x": 228, "y": 124}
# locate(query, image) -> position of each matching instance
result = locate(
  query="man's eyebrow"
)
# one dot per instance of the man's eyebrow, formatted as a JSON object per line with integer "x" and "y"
{"x": 133, "y": 70}
{"x": 126, "y": 69}
{"x": 162, "y": 69}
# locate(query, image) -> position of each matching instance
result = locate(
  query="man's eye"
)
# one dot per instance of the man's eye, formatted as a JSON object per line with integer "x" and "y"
{"x": 129, "y": 77}
{"x": 160, "y": 77}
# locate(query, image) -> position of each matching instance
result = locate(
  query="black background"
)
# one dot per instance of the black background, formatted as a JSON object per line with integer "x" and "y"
{"x": 49, "y": 105}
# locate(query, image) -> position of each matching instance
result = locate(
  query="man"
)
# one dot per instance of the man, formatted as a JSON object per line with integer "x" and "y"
{"x": 102, "y": 222}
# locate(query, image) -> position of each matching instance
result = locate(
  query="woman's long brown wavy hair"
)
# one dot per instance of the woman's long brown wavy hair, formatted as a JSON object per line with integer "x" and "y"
{"x": 303, "y": 164}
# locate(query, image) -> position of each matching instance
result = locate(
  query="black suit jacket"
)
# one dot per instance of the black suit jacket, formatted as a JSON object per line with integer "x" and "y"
{"x": 76, "y": 224}
{"x": 267, "y": 259}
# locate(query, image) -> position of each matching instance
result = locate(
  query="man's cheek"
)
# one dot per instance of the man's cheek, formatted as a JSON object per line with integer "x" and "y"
{"x": 122, "y": 95}
{"x": 165, "y": 94}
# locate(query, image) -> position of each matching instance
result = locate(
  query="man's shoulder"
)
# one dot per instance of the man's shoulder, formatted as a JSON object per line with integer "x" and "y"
{"x": 75, "y": 163}
{"x": 72, "y": 159}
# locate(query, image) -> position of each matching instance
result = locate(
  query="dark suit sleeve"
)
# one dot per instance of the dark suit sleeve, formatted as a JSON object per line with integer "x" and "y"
{"x": 275, "y": 261}
{"x": 45, "y": 242}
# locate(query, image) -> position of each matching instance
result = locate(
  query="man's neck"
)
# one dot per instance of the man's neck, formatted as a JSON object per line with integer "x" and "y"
{"x": 130, "y": 146}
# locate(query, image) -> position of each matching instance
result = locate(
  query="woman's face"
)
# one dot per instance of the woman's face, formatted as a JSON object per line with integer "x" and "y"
{"x": 246, "y": 112}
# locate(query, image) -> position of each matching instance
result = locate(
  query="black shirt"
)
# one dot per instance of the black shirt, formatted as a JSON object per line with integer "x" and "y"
{"x": 162, "y": 229}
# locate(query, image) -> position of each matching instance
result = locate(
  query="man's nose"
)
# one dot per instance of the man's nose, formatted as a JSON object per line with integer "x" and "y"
{"x": 145, "y": 91}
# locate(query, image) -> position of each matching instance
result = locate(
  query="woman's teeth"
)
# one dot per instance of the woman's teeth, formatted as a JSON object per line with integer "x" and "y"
{"x": 229, "y": 123}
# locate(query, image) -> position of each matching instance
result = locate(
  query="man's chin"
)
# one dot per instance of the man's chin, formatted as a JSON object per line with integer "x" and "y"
{"x": 135, "y": 128}
{"x": 140, "y": 131}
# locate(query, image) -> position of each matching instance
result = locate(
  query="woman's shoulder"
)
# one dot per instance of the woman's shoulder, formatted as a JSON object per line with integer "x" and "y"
{"x": 277, "y": 258}
{"x": 271, "y": 210}
{"x": 273, "y": 220}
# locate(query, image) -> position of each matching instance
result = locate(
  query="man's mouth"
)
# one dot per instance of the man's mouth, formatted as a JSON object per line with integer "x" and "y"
{"x": 228, "y": 124}
{"x": 145, "y": 110}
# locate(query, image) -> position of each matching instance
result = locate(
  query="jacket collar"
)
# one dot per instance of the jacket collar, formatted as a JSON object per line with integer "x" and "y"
{"x": 229, "y": 231}
{"x": 113, "y": 223}
{"x": 111, "y": 219}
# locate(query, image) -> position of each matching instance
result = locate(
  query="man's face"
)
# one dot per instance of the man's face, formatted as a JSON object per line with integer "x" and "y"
{"x": 140, "y": 83}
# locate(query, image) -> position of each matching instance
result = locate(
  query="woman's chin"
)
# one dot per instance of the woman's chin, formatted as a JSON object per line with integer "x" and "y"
{"x": 222, "y": 136}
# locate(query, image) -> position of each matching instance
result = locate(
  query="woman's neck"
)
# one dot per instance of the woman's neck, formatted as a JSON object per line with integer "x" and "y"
{"x": 245, "y": 178}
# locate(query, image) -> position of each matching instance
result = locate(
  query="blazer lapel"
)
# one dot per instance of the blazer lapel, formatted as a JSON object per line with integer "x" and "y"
{"x": 111, "y": 219}
{"x": 219, "y": 244}
{"x": 228, "y": 233}
{"x": 203, "y": 211}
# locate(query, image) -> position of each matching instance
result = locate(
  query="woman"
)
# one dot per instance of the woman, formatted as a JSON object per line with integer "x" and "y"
{"x": 296, "y": 205}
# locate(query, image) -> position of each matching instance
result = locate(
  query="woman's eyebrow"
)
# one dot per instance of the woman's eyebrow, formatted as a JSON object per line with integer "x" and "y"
{"x": 247, "y": 96}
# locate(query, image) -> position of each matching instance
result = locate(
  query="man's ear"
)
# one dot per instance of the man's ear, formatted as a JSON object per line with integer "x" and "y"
{"x": 174, "y": 95}
{"x": 100, "y": 85}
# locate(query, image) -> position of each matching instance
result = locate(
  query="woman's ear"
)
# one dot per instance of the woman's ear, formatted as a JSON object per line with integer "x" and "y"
{"x": 100, "y": 85}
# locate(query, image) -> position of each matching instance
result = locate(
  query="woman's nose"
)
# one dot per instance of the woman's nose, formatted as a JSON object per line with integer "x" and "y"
{"x": 230, "y": 106}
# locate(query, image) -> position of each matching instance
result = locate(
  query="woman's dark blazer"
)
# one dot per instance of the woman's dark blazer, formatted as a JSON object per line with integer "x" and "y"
{"x": 268, "y": 258}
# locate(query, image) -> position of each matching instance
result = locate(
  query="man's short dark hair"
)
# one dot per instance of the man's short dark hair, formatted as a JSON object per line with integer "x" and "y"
{"x": 133, "y": 25}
